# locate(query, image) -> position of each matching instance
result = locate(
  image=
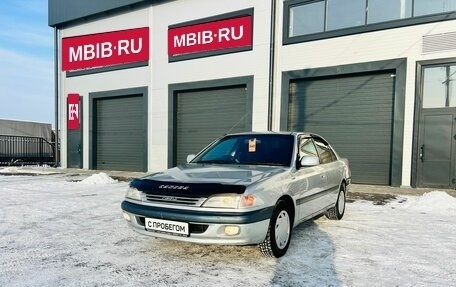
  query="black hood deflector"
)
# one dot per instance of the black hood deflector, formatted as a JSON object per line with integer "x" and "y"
{"x": 170, "y": 188}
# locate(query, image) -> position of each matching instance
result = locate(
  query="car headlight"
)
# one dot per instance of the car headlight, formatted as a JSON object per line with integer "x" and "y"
{"x": 133, "y": 193}
{"x": 231, "y": 200}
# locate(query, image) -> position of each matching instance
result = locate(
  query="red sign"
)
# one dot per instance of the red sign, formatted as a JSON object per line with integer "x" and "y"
{"x": 105, "y": 49}
{"x": 210, "y": 36}
{"x": 73, "y": 112}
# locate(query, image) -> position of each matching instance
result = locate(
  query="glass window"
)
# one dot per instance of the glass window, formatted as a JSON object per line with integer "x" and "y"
{"x": 307, "y": 19}
{"x": 434, "y": 87}
{"x": 318, "y": 16}
{"x": 452, "y": 87}
{"x": 387, "y": 10}
{"x": 426, "y": 7}
{"x": 221, "y": 150}
{"x": 258, "y": 149}
{"x": 344, "y": 14}
{"x": 307, "y": 147}
{"x": 325, "y": 152}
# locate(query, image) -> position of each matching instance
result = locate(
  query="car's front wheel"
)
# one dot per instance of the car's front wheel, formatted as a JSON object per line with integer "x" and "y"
{"x": 279, "y": 233}
{"x": 337, "y": 211}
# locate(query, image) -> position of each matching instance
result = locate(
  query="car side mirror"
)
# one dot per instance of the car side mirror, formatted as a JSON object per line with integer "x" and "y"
{"x": 309, "y": 160}
{"x": 190, "y": 157}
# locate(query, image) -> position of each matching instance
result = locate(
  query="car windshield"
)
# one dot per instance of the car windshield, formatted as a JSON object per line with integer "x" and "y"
{"x": 256, "y": 149}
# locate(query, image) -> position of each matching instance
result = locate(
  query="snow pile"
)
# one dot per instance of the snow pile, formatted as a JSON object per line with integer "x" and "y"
{"x": 99, "y": 178}
{"x": 433, "y": 202}
{"x": 9, "y": 170}
{"x": 45, "y": 169}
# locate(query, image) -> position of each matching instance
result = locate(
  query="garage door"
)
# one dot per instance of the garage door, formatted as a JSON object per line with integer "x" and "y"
{"x": 120, "y": 134}
{"x": 204, "y": 115}
{"x": 355, "y": 114}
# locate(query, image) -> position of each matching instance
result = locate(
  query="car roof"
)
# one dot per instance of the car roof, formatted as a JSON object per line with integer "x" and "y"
{"x": 313, "y": 135}
{"x": 272, "y": 133}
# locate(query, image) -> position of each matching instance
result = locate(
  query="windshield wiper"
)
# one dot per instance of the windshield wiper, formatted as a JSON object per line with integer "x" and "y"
{"x": 214, "y": 161}
{"x": 263, "y": 163}
{"x": 222, "y": 161}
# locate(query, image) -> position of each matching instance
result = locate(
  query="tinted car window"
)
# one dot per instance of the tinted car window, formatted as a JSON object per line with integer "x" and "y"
{"x": 224, "y": 148}
{"x": 250, "y": 149}
{"x": 307, "y": 148}
{"x": 324, "y": 152}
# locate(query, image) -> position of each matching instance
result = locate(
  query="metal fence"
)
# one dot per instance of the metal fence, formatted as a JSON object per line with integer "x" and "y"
{"x": 23, "y": 150}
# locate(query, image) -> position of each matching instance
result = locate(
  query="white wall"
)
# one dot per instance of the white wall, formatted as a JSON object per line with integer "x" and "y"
{"x": 255, "y": 62}
{"x": 115, "y": 80}
{"x": 361, "y": 48}
{"x": 161, "y": 73}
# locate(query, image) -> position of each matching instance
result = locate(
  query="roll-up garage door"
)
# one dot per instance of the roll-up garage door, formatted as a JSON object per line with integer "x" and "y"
{"x": 204, "y": 115}
{"x": 355, "y": 114}
{"x": 120, "y": 128}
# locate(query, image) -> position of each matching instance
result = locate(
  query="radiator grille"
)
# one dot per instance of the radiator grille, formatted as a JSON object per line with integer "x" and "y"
{"x": 165, "y": 199}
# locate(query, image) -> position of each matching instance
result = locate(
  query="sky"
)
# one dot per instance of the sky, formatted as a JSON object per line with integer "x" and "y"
{"x": 26, "y": 61}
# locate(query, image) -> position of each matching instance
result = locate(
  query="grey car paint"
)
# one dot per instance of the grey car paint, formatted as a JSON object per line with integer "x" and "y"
{"x": 313, "y": 190}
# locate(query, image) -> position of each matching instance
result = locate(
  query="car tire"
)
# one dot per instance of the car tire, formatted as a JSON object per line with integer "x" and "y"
{"x": 337, "y": 212}
{"x": 279, "y": 232}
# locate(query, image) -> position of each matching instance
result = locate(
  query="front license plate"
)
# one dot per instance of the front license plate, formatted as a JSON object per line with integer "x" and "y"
{"x": 167, "y": 226}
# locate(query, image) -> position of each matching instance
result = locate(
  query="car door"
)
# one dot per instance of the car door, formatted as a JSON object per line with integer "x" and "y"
{"x": 309, "y": 182}
{"x": 332, "y": 168}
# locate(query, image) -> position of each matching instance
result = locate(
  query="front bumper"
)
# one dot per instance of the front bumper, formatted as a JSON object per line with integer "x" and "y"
{"x": 205, "y": 227}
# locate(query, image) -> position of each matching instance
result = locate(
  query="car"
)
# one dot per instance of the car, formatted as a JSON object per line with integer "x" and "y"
{"x": 242, "y": 189}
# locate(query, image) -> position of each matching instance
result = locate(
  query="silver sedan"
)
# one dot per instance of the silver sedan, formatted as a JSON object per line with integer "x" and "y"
{"x": 249, "y": 188}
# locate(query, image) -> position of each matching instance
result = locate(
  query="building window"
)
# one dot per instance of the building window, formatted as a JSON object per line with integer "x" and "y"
{"x": 439, "y": 87}
{"x": 342, "y": 13}
{"x": 307, "y": 19}
{"x": 317, "y": 19}
{"x": 388, "y": 10}
{"x": 426, "y": 7}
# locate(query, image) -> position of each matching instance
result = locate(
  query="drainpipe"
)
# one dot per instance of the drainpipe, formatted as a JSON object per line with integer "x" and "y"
{"x": 56, "y": 90}
{"x": 271, "y": 63}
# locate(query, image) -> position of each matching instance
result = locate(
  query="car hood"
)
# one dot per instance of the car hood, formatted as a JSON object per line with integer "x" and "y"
{"x": 205, "y": 179}
{"x": 228, "y": 174}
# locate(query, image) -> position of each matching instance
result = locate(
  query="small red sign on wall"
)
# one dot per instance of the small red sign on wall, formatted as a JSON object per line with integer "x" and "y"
{"x": 210, "y": 36}
{"x": 105, "y": 49}
{"x": 73, "y": 112}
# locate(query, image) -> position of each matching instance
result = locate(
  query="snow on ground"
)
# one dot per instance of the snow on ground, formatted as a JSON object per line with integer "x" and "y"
{"x": 429, "y": 201}
{"x": 57, "y": 232}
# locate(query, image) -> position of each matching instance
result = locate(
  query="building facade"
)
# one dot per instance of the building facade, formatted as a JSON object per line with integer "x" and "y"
{"x": 144, "y": 83}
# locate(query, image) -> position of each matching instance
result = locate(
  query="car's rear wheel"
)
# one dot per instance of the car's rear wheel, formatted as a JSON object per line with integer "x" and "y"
{"x": 337, "y": 211}
{"x": 279, "y": 233}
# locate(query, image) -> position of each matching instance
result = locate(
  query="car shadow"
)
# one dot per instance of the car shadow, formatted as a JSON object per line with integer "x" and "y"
{"x": 309, "y": 260}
